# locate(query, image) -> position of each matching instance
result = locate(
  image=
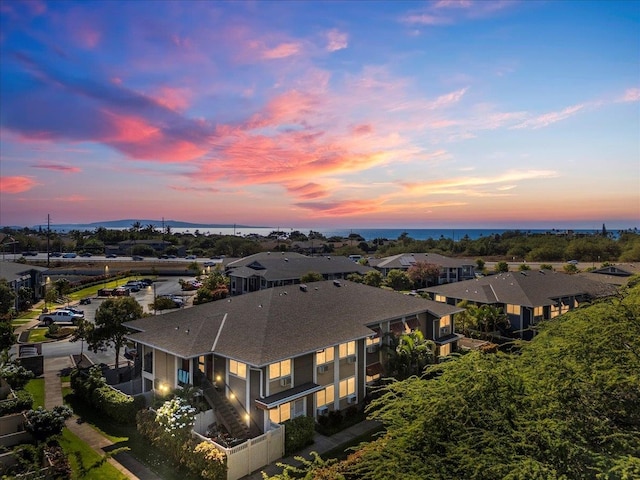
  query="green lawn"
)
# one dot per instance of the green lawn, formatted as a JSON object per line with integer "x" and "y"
{"x": 36, "y": 388}
{"x": 37, "y": 335}
{"x": 77, "y": 451}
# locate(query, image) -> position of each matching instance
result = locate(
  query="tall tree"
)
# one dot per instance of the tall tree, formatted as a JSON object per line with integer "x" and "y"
{"x": 410, "y": 354}
{"x": 7, "y": 299}
{"x": 109, "y": 329}
{"x": 423, "y": 274}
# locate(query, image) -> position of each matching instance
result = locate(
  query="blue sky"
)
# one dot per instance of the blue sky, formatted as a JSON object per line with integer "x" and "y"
{"x": 320, "y": 114}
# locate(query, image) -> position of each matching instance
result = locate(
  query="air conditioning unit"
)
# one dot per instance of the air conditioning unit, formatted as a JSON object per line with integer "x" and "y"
{"x": 352, "y": 399}
{"x": 323, "y": 410}
{"x": 351, "y": 359}
{"x": 285, "y": 381}
{"x": 323, "y": 368}
{"x": 372, "y": 348}
{"x": 446, "y": 330}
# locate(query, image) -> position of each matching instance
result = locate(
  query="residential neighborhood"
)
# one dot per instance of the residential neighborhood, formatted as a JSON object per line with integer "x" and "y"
{"x": 277, "y": 348}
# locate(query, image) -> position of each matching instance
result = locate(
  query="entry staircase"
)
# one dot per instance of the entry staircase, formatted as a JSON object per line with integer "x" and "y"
{"x": 227, "y": 415}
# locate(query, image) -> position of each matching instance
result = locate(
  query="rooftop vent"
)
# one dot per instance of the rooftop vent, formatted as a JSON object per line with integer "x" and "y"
{"x": 303, "y": 287}
{"x": 337, "y": 283}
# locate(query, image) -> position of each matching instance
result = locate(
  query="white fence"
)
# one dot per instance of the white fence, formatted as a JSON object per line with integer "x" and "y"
{"x": 249, "y": 456}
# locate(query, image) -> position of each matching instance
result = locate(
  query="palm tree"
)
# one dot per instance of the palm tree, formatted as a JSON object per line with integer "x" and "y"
{"x": 412, "y": 353}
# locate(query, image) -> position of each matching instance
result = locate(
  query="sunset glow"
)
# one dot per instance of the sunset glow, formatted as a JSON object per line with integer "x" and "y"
{"x": 506, "y": 114}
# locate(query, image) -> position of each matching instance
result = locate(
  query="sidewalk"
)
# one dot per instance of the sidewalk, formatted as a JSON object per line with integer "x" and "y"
{"x": 127, "y": 464}
{"x": 321, "y": 445}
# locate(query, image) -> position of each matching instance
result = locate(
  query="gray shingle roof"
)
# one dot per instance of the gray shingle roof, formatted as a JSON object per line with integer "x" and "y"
{"x": 405, "y": 260}
{"x": 279, "y": 323}
{"x": 12, "y": 270}
{"x": 530, "y": 288}
{"x": 277, "y": 267}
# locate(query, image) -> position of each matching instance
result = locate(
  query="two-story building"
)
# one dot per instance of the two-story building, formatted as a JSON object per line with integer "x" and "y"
{"x": 526, "y": 297}
{"x": 19, "y": 275}
{"x": 268, "y": 270}
{"x": 451, "y": 269}
{"x": 286, "y": 351}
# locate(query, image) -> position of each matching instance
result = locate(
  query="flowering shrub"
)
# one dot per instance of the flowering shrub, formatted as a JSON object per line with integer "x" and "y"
{"x": 176, "y": 416}
{"x": 16, "y": 375}
{"x": 44, "y": 423}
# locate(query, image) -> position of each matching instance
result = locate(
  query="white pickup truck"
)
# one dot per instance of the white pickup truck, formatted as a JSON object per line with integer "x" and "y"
{"x": 60, "y": 316}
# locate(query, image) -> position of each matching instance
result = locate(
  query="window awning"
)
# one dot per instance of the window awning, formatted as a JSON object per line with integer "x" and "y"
{"x": 397, "y": 328}
{"x": 448, "y": 339}
{"x": 374, "y": 369}
{"x": 272, "y": 401}
{"x": 413, "y": 323}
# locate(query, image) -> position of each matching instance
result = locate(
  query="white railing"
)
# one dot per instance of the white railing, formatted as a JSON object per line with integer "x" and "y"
{"x": 249, "y": 456}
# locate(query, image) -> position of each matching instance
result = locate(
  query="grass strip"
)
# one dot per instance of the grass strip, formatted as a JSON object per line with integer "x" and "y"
{"x": 85, "y": 462}
{"x": 36, "y": 388}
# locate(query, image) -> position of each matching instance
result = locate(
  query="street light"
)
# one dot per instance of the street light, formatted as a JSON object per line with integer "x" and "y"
{"x": 106, "y": 275}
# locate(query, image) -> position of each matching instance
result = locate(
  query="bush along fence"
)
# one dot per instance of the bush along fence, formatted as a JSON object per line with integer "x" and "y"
{"x": 298, "y": 434}
{"x": 170, "y": 431}
{"x": 92, "y": 388}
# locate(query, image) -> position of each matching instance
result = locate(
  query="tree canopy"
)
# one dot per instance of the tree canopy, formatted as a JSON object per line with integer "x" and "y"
{"x": 565, "y": 405}
{"x": 109, "y": 328}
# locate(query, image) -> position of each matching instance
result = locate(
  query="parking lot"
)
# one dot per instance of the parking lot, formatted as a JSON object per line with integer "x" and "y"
{"x": 161, "y": 286}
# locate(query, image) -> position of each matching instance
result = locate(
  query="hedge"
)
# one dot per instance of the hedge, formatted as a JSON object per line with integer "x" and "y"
{"x": 93, "y": 389}
{"x": 298, "y": 434}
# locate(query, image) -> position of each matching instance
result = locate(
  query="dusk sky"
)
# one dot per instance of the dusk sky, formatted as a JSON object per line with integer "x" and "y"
{"x": 433, "y": 114}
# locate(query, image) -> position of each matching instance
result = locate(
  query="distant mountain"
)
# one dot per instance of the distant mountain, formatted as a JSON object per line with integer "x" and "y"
{"x": 127, "y": 223}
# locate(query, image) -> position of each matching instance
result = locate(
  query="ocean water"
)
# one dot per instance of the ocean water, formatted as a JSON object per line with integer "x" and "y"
{"x": 371, "y": 233}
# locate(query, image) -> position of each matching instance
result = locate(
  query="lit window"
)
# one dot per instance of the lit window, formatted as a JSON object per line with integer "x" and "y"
{"x": 280, "y": 414}
{"x": 238, "y": 369}
{"x": 280, "y": 369}
{"x": 325, "y": 397}
{"x": 513, "y": 309}
{"x": 347, "y": 387}
{"x": 324, "y": 356}
{"x": 441, "y": 298}
{"x": 373, "y": 341}
{"x": 347, "y": 349}
{"x": 373, "y": 378}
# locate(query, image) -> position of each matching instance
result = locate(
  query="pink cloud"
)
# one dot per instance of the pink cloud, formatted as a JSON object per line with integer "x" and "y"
{"x": 72, "y": 199}
{"x": 16, "y": 184}
{"x": 143, "y": 141}
{"x": 308, "y": 191}
{"x": 336, "y": 40}
{"x": 57, "y": 167}
{"x": 173, "y": 98}
{"x": 547, "y": 119}
{"x": 363, "y": 129}
{"x": 87, "y": 37}
{"x": 283, "y": 50}
{"x": 631, "y": 95}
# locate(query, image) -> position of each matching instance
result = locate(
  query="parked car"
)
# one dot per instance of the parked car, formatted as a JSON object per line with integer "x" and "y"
{"x": 110, "y": 255}
{"x": 85, "y": 254}
{"x": 572, "y": 262}
{"x": 137, "y": 258}
{"x": 190, "y": 257}
{"x": 29, "y": 254}
{"x": 75, "y": 310}
{"x": 85, "y": 301}
{"x": 70, "y": 255}
{"x": 55, "y": 254}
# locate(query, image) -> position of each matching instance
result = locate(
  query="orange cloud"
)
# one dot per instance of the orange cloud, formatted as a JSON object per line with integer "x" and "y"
{"x": 57, "y": 167}
{"x": 16, "y": 184}
{"x": 308, "y": 191}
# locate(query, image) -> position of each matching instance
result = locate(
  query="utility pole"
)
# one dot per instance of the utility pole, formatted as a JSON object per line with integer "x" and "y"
{"x": 48, "y": 238}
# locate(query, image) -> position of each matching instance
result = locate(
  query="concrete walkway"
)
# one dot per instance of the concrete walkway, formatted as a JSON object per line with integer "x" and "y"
{"x": 127, "y": 464}
{"x": 321, "y": 445}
